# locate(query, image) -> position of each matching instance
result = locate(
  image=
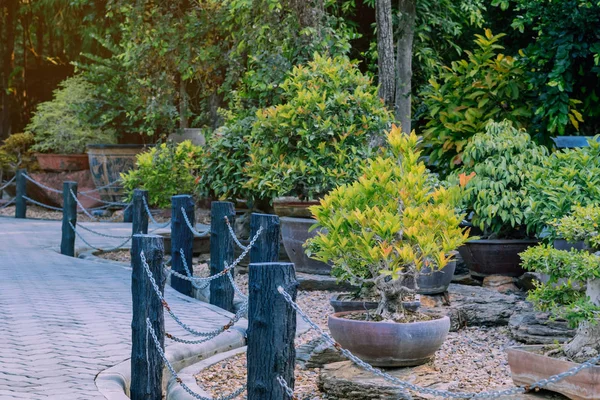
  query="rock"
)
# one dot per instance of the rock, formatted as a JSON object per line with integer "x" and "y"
{"x": 316, "y": 353}
{"x": 537, "y": 328}
{"x": 55, "y": 180}
{"x": 461, "y": 266}
{"x": 474, "y": 306}
{"x": 528, "y": 280}
{"x": 466, "y": 279}
{"x": 499, "y": 283}
{"x": 101, "y": 213}
{"x": 311, "y": 282}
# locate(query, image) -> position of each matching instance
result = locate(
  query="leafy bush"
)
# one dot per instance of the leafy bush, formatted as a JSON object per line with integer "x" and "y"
{"x": 57, "y": 125}
{"x": 566, "y": 178}
{"x": 165, "y": 170}
{"x": 499, "y": 161}
{"x": 313, "y": 141}
{"x": 392, "y": 222}
{"x": 16, "y": 153}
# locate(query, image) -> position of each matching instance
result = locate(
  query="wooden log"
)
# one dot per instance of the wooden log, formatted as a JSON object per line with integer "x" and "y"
{"x": 221, "y": 252}
{"x": 138, "y": 212}
{"x": 128, "y": 214}
{"x": 146, "y": 362}
{"x": 182, "y": 238}
{"x": 266, "y": 247}
{"x": 69, "y": 217}
{"x": 20, "y": 202}
{"x": 271, "y": 330}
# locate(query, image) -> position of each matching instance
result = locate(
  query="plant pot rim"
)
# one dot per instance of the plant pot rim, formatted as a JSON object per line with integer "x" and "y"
{"x": 60, "y": 154}
{"x": 118, "y": 146}
{"x": 384, "y": 323}
{"x": 298, "y": 219}
{"x": 503, "y": 241}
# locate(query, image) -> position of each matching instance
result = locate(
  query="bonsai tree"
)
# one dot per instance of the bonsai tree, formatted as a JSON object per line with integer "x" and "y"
{"x": 58, "y": 125}
{"x": 315, "y": 139}
{"x": 567, "y": 270}
{"x": 384, "y": 228}
{"x": 567, "y": 178}
{"x": 499, "y": 161}
{"x": 16, "y": 153}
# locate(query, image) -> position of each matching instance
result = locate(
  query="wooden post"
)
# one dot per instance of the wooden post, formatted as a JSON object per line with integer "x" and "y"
{"x": 266, "y": 248}
{"x": 146, "y": 363}
{"x": 182, "y": 238}
{"x": 221, "y": 252}
{"x": 20, "y": 202}
{"x": 67, "y": 243}
{"x": 271, "y": 330}
{"x": 128, "y": 214}
{"x": 138, "y": 212}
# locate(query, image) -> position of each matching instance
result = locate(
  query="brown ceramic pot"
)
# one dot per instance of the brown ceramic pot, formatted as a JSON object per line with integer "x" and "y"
{"x": 294, "y": 232}
{"x": 293, "y": 207}
{"x": 527, "y": 367}
{"x": 390, "y": 344}
{"x": 63, "y": 162}
{"x": 495, "y": 257}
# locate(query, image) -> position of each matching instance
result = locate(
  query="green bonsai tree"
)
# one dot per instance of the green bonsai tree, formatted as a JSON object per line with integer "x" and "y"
{"x": 499, "y": 162}
{"x": 315, "y": 139}
{"x": 58, "y": 125}
{"x": 16, "y": 153}
{"x": 567, "y": 270}
{"x": 384, "y": 228}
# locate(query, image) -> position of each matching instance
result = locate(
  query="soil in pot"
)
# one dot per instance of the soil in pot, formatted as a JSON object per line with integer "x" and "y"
{"x": 389, "y": 344}
{"x": 348, "y": 302}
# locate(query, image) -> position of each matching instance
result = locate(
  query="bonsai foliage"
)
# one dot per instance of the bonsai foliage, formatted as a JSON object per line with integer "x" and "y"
{"x": 57, "y": 126}
{"x": 566, "y": 178}
{"x": 499, "y": 161}
{"x": 165, "y": 171}
{"x": 389, "y": 225}
{"x": 315, "y": 139}
{"x": 16, "y": 153}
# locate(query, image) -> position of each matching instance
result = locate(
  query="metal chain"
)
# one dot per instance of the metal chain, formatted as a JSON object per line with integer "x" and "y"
{"x": 119, "y": 246}
{"x": 160, "y": 226}
{"x": 187, "y": 221}
{"x": 110, "y": 185}
{"x": 440, "y": 393}
{"x": 37, "y": 203}
{"x": 108, "y": 203}
{"x": 238, "y": 315}
{"x": 235, "y": 239}
{"x": 235, "y": 287}
{"x": 86, "y": 212}
{"x": 2, "y": 207}
{"x": 7, "y": 184}
{"x": 103, "y": 234}
{"x": 48, "y": 188}
{"x": 161, "y": 352}
{"x": 288, "y": 390}
{"x": 189, "y": 272}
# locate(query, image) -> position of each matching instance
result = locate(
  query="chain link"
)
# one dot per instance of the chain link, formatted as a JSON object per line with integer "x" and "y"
{"x": 235, "y": 239}
{"x": 188, "y": 223}
{"x": 8, "y": 183}
{"x": 108, "y": 203}
{"x": 190, "y": 273}
{"x": 119, "y": 246}
{"x": 440, "y": 393}
{"x": 48, "y": 188}
{"x": 235, "y": 287}
{"x": 288, "y": 390}
{"x": 107, "y": 186}
{"x": 102, "y": 234}
{"x": 160, "y": 226}
{"x": 161, "y": 352}
{"x": 2, "y": 207}
{"x": 37, "y": 203}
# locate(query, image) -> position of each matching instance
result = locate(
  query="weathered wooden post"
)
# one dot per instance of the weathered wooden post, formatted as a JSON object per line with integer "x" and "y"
{"x": 146, "y": 362}
{"x": 221, "y": 252}
{"x": 67, "y": 243}
{"x": 182, "y": 238}
{"x": 138, "y": 212}
{"x": 271, "y": 330}
{"x": 266, "y": 247}
{"x": 128, "y": 214}
{"x": 20, "y": 202}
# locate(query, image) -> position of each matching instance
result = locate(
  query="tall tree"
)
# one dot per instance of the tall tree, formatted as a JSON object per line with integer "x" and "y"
{"x": 9, "y": 13}
{"x": 385, "y": 51}
{"x": 404, "y": 55}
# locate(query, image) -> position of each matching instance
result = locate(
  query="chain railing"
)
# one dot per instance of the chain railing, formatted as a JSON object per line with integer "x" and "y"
{"x": 189, "y": 225}
{"x": 8, "y": 183}
{"x": 9, "y": 203}
{"x": 117, "y": 247}
{"x": 233, "y": 236}
{"x": 41, "y": 185}
{"x": 37, "y": 203}
{"x": 151, "y": 217}
{"x": 107, "y": 186}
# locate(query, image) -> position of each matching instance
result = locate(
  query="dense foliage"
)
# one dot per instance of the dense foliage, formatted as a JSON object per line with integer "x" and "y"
{"x": 16, "y": 153}
{"x": 315, "y": 139}
{"x": 165, "y": 170}
{"x": 498, "y": 163}
{"x": 394, "y": 221}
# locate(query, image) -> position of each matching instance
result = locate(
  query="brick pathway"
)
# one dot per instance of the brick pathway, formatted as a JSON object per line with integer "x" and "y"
{"x": 62, "y": 319}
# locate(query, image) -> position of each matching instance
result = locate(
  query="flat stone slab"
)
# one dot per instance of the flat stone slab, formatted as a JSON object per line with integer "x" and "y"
{"x": 538, "y": 328}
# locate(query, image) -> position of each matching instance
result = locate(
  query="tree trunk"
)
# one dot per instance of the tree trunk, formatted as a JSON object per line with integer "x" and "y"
{"x": 183, "y": 105}
{"x": 7, "y": 67}
{"x": 586, "y": 343}
{"x": 385, "y": 51}
{"x": 402, "y": 107}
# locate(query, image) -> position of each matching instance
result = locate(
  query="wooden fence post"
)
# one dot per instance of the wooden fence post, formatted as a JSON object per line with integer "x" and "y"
{"x": 146, "y": 362}
{"x": 271, "y": 330}
{"x": 266, "y": 248}
{"x": 221, "y": 252}
{"x": 138, "y": 212}
{"x": 69, "y": 217}
{"x": 20, "y": 202}
{"x": 182, "y": 238}
{"x": 128, "y": 213}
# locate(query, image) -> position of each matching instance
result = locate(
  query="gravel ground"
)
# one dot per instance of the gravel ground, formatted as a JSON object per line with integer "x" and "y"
{"x": 38, "y": 212}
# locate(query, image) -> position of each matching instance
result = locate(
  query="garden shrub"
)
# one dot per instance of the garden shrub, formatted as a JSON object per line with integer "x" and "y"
{"x": 314, "y": 140}
{"x": 16, "y": 153}
{"x": 164, "y": 171}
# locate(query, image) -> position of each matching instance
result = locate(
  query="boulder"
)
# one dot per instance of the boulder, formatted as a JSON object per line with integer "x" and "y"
{"x": 466, "y": 279}
{"x": 316, "y": 353}
{"x": 55, "y": 180}
{"x": 538, "y": 328}
{"x": 500, "y": 283}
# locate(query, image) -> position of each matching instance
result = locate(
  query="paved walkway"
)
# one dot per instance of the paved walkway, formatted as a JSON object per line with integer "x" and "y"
{"x": 62, "y": 319}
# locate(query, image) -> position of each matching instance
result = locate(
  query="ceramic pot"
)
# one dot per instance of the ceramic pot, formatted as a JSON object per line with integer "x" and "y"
{"x": 339, "y": 304}
{"x": 436, "y": 282}
{"x": 63, "y": 162}
{"x": 293, "y": 207}
{"x": 495, "y": 257}
{"x": 294, "y": 232}
{"x": 390, "y": 344}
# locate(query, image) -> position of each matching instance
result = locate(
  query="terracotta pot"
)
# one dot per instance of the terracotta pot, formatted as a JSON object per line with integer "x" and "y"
{"x": 528, "y": 367}
{"x": 107, "y": 162}
{"x": 63, "y": 162}
{"x": 436, "y": 282}
{"x": 293, "y": 207}
{"x": 390, "y": 344}
{"x": 294, "y": 232}
{"x": 495, "y": 257}
{"x": 340, "y": 305}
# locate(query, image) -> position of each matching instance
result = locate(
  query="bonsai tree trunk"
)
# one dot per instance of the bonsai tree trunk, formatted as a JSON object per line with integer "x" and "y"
{"x": 586, "y": 343}
{"x": 393, "y": 292}
{"x": 402, "y": 107}
{"x": 385, "y": 51}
